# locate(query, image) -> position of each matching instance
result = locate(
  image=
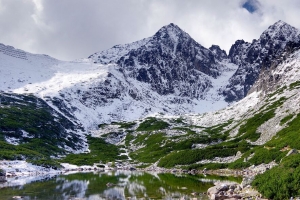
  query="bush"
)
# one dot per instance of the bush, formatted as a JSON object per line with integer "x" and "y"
{"x": 152, "y": 124}
{"x": 100, "y": 151}
{"x": 187, "y": 157}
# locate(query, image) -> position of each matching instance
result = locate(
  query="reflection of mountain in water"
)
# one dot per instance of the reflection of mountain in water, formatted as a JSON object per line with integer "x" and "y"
{"x": 123, "y": 185}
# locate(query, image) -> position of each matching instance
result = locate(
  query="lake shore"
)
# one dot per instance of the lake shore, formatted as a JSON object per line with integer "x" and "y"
{"x": 21, "y": 172}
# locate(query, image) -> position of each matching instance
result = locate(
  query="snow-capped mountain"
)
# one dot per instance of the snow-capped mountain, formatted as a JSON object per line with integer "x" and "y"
{"x": 168, "y": 73}
{"x": 171, "y": 62}
{"x": 252, "y": 57}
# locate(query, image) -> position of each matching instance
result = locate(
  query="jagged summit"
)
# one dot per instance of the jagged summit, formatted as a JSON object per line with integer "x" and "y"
{"x": 251, "y": 57}
{"x": 171, "y": 31}
{"x": 280, "y": 31}
{"x": 168, "y": 72}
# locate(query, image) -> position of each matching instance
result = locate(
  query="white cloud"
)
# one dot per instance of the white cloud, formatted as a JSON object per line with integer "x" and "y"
{"x": 73, "y": 29}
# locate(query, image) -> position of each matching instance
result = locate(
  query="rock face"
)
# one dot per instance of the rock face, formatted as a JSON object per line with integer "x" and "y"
{"x": 168, "y": 73}
{"x": 218, "y": 52}
{"x": 253, "y": 57}
{"x": 2, "y": 176}
{"x": 170, "y": 61}
{"x": 270, "y": 76}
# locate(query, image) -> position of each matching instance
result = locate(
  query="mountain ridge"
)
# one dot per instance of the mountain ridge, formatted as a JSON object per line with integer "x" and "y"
{"x": 167, "y": 73}
{"x": 250, "y": 57}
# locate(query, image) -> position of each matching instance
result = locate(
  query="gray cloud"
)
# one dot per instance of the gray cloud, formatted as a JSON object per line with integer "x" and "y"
{"x": 70, "y": 29}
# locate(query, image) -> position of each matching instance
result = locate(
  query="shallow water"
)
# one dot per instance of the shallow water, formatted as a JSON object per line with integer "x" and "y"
{"x": 122, "y": 185}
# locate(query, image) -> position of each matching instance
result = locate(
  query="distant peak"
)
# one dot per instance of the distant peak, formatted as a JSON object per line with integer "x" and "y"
{"x": 171, "y": 31}
{"x": 280, "y": 29}
{"x": 171, "y": 27}
{"x": 279, "y": 25}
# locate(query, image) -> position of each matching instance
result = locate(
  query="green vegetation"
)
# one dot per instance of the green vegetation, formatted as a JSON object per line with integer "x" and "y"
{"x": 266, "y": 155}
{"x": 249, "y": 129}
{"x": 286, "y": 118}
{"x": 287, "y": 137}
{"x": 100, "y": 151}
{"x": 281, "y": 182}
{"x": 153, "y": 150}
{"x": 129, "y": 137}
{"x": 295, "y": 85}
{"x": 152, "y": 124}
{"x": 187, "y": 157}
{"x": 37, "y": 128}
{"x": 125, "y": 125}
{"x": 178, "y": 121}
{"x": 278, "y": 91}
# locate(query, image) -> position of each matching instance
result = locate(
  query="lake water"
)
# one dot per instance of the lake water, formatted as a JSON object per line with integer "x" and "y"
{"x": 115, "y": 185}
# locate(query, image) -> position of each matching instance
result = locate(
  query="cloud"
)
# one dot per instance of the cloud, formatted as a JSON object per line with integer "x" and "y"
{"x": 70, "y": 29}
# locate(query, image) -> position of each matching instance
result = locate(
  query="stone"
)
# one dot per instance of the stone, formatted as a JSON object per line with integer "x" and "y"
{"x": 213, "y": 190}
{"x": 291, "y": 152}
{"x": 247, "y": 181}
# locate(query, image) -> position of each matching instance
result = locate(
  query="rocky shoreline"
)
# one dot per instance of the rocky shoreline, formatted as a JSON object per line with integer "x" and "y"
{"x": 232, "y": 191}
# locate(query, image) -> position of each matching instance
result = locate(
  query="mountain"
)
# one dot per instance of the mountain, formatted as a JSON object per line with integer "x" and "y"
{"x": 167, "y": 73}
{"x": 252, "y": 57}
{"x": 164, "y": 101}
{"x": 171, "y": 62}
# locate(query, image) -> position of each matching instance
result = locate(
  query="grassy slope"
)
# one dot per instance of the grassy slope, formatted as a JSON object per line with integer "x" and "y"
{"x": 154, "y": 144}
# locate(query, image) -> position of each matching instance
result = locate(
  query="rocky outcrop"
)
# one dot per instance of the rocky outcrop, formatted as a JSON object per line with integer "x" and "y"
{"x": 170, "y": 61}
{"x": 219, "y": 53}
{"x": 2, "y": 176}
{"x": 252, "y": 58}
{"x": 269, "y": 79}
{"x": 224, "y": 191}
{"x": 232, "y": 191}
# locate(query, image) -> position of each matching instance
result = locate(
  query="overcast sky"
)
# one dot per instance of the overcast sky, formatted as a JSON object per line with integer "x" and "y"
{"x": 71, "y": 29}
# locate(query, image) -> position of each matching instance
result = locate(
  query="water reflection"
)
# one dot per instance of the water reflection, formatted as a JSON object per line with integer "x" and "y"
{"x": 116, "y": 185}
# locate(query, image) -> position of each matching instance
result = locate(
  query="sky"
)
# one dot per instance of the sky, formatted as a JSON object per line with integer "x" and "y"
{"x": 73, "y": 29}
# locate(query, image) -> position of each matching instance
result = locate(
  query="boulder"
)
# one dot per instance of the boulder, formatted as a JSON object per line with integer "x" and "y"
{"x": 213, "y": 190}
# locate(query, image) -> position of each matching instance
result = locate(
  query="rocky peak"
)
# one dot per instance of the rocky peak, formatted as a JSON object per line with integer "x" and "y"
{"x": 219, "y": 53}
{"x": 172, "y": 32}
{"x": 278, "y": 34}
{"x": 251, "y": 57}
{"x": 171, "y": 61}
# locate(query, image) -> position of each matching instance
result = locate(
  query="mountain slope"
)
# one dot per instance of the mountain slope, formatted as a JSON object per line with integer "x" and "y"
{"x": 258, "y": 129}
{"x": 167, "y": 73}
{"x": 252, "y": 57}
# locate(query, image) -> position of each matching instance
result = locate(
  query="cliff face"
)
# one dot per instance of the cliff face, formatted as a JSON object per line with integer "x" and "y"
{"x": 253, "y": 57}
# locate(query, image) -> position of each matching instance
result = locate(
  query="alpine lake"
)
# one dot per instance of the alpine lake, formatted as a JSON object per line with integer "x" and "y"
{"x": 113, "y": 185}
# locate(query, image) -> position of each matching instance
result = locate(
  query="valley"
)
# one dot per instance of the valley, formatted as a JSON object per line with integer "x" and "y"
{"x": 162, "y": 103}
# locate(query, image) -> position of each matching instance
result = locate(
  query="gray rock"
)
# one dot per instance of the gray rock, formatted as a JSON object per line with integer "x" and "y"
{"x": 213, "y": 190}
{"x": 247, "y": 181}
{"x": 291, "y": 152}
{"x": 2, "y": 179}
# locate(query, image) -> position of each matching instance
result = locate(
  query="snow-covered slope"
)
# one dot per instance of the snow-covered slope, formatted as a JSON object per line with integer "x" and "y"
{"x": 168, "y": 73}
{"x": 19, "y": 68}
{"x": 282, "y": 81}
